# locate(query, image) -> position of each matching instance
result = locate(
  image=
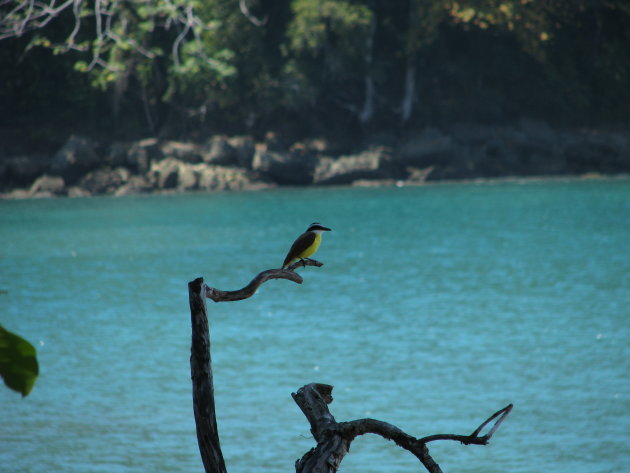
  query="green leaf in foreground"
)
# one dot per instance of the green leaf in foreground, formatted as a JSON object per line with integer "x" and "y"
{"x": 18, "y": 362}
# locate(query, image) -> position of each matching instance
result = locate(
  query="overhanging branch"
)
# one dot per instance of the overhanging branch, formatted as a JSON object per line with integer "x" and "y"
{"x": 218, "y": 295}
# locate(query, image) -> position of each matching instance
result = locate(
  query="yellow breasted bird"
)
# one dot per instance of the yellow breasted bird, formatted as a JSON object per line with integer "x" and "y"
{"x": 306, "y": 244}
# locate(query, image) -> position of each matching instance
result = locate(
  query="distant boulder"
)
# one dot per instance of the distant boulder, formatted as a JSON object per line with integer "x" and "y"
{"x": 116, "y": 154}
{"x": 244, "y": 147}
{"x": 164, "y": 174}
{"x": 20, "y": 171}
{"x": 286, "y": 168}
{"x": 597, "y": 152}
{"x": 218, "y": 150}
{"x": 374, "y": 164}
{"x": 188, "y": 176}
{"x": 77, "y": 191}
{"x": 48, "y": 186}
{"x": 182, "y": 151}
{"x": 75, "y": 158}
{"x": 104, "y": 180}
{"x": 222, "y": 178}
{"x": 142, "y": 153}
{"x": 426, "y": 148}
{"x": 135, "y": 185}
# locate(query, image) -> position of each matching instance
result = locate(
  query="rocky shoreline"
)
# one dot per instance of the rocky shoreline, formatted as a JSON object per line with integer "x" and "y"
{"x": 84, "y": 167}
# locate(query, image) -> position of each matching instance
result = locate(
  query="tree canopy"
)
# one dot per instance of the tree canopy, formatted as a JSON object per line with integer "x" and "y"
{"x": 308, "y": 67}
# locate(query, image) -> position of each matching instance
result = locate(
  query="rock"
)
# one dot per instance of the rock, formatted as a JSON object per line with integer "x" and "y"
{"x": 46, "y": 186}
{"x": 219, "y": 151}
{"x": 182, "y": 151}
{"x": 18, "y": 171}
{"x": 163, "y": 174}
{"x": 135, "y": 185}
{"x": 425, "y": 149}
{"x": 275, "y": 142}
{"x": 244, "y": 148}
{"x": 17, "y": 194}
{"x": 188, "y": 176}
{"x": 75, "y": 158}
{"x": 597, "y": 152}
{"x": 285, "y": 168}
{"x": 372, "y": 164}
{"x": 76, "y": 191}
{"x": 418, "y": 176}
{"x": 496, "y": 151}
{"x": 104, "y": 180}
{"x": 142, "y": 153}
{"x": 221, "y": 178}
{"x": 174, "y": 174}
{"x": 117, "y": 154}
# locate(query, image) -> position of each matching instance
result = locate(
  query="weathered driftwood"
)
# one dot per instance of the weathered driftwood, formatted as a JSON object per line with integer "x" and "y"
{"x": 333, "y": 438}
{"x": 248, "y": 291}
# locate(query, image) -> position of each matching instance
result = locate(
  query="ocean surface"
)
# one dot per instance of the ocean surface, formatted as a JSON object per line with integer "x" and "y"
{"x": 436, "y": 306}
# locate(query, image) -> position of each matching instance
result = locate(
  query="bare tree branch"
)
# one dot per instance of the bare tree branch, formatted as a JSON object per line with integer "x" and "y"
{"x": 245, "y": 11}
{"x": 227, "y": 296}
{"x": 110, "y": 25}
{"x": 474, "y": 438}
{"x": 333, "y": 438}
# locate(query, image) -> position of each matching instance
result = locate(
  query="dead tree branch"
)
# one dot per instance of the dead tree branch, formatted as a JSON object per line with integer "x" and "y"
{"x": 106, "y": 24}
{"x": 245, "y": 11}
{"x": 228, "y": 296}
{"x": 333, "y": 438}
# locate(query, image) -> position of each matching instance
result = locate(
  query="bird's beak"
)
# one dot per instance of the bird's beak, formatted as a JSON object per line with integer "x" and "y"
{"x": 326, "y": 229}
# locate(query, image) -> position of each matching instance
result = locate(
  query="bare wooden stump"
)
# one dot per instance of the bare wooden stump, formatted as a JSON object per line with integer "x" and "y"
{"x": 333, "y": 438}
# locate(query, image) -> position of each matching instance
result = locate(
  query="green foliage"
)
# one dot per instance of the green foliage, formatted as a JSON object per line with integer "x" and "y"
{"x": 317, "y": 26}
{"x": 18, "y": 362}
{"x": 163, "y": 66}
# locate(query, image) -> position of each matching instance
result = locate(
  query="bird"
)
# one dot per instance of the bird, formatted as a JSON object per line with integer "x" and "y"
{"x": 306, "y": 244}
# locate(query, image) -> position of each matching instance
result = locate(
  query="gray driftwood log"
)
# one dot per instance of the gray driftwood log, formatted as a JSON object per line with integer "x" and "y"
{"x": 333, "y": 438}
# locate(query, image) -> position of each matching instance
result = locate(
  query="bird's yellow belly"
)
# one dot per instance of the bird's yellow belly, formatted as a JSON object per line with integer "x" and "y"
{"x": 311, "y": 249}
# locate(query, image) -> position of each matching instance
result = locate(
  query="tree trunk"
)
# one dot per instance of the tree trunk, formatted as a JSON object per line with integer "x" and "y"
{"x": 406, "y": 106}
{"x": 367, "y": 111}
{"x": 203, "y": 389}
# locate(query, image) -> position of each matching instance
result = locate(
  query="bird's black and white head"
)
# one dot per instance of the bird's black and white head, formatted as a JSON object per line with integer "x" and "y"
{"x": 317, "y": 227}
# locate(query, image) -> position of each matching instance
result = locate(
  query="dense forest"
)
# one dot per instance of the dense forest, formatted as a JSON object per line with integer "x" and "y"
{"x": 185, "y": 69}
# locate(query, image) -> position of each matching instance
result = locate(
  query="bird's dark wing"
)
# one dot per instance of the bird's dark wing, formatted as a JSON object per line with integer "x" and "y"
{"x": 303, "y": 242}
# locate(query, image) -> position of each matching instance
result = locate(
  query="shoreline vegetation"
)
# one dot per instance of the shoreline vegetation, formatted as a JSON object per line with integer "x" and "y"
{"x": 85, "y": 167}
{"x": 163, "y": 97}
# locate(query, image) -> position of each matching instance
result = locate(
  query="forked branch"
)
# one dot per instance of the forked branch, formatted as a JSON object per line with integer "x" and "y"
{"x": 333, "y": 438}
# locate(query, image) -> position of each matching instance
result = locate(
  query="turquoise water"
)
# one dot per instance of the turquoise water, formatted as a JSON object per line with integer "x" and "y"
{"x": 436, "y": 306}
